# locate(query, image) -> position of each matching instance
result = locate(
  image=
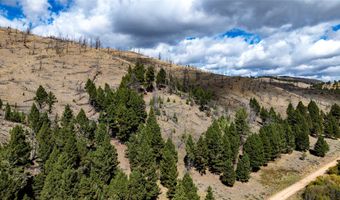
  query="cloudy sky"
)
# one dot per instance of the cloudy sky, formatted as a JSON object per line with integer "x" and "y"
{"x": 240, "y": 37}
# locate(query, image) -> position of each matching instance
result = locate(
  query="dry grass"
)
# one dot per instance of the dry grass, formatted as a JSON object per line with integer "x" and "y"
{"x": 278, "y": 179}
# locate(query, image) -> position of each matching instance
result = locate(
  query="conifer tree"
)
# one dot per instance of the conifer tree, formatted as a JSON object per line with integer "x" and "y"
{"x": 8, "y": 112}
{"x": 290, "y": 137}
{"x": 214, "y": 144}
{"x": 241, "y": 125}
{"x": 100, "y": 99}
{"x": 243, "y": 169}
{"x": 34, "y": 118}
{"x": 92, "y": 91}
{"x": 190, "y": 148}
{"x": 41, "y": 96}
{"x": 118, "y": 188}
{"x": 189, "y": 187}
{"x": 228, "y": 175}
{"x": 321, "y": 147}
{"x": 180, "y": 193}
{"x": 168, "y": 170}
{"x": 267, "y": 149}
{"x": 86, "y": 127}
{"x": 51, "y": 100}
{"x": 136, "y": 186}
{"x": 150, "y": 78}
{"x": 18, "y": 149}
{"x": 254, "y": 105}
{"x": 234, "y": 140}
{"x": 301, "y": 130}
{"x": 210, "y": 195}
{"x": 331, "y": 128}
{"x": 291, "y": 115}
{"x": 201, "y": 155}
{"x": 139, "y": 72}
{"x": 254, "y": 149}
{"x": 154, "y": 132}
{"x": 314, "y": 114}
{"x": 45, "y": 142}
{"x": 67, "y": 116}
{"x": 335, "y": 112}
{"x": 161, "y": 78}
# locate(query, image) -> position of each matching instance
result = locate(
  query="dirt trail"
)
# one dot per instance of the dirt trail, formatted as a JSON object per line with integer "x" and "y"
{"x": 289, "y": 191}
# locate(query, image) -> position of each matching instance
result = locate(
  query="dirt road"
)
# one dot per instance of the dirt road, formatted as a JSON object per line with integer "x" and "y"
{"x": 289, "y": 191}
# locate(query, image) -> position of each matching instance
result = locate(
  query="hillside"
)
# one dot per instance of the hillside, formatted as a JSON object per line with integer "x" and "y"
{"x": 63, "y": 67}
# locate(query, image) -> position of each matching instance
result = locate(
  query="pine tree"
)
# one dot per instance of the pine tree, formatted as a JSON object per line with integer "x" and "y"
{"x": 136, "y": 186}
{"x": 8, "y": 112}
{"x": 254, "y": 148}
{"x": 100, "y": 99}
{"x": 301, "y": 130}
{"x": 139, "y": 72}
{"x": 331, "y": 129}
{"x": 314, "y": 114}
{"x": 180, "y": 193}
{"x": 67, "y": 116}
{"x": 45, "y": 142}
{"x": 228, "y": 175}
{"x": 201, "y": 155}
{"x": 321, "y": 147}
{"x": 267, "y": 149}
{"x": 291, "y": 115}
{"x": 335, "y": 111}
{"x": 161, "y": 78}
{"x": 150, "y": 78}
{"x": 234, "y": 140}
{"x": 18, "y": 148}
{"x": 154, "y": 131}
{"x": 86, "y": 127}
{"x": 243, "y": 169}
{"x": 254, "y": 105}
{"x": 190, "y": 148}
{"x": 118, "y": 188}
{"x": 168, "y": 170}
{"x": 51, "y": 100}
{"x": 241, "y": 124}
{"x": 34, "y": 118}
{"x": 214, "y": 144}
{"x": 41, "y": 96}
{"x": 92, "y": 91}
{"x": 290, "y": 138}
{"x": 189, "y": 187}
{"x": 210, "y": 195}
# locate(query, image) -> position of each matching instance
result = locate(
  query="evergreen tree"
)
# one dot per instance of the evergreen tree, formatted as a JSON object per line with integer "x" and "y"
{"x": 335, "y": 111}
{"x": 41, "y": 96}
{"x": 331, "y": 129}
{"x": 100, "y": 99}
{"x": 234, "y": 140}
{"x": 314, "y": 114}
{"x": 301, "y": 130}
{"x": 154, "y": 132}
{"x": 241, "y": 124}
{"x": 51, "y": 100}
{"x": 136, "y": 186}
{"x": 45, "y": 142}
{"x": 190, "y": 148}
{"x": 180, "y": 193}
{"x": 34, "y": 118}
{"x": 139, "y": 72}
{"x": 189, "y": 187}
{"x": 264, "y": 115}
{"x": 291, "y": 115}
{"x": 321, "y": 147}
{"x": 254, "y": 149}
{"x": 67, "y": 116}
{"x": 210, "y": 195}
{"x": 8, "y": 112}
{"x": 118, "y": 188}
{"x": 168, "y": 170}
{"x": 254, "y": 105}
{"x": 161, "y": 78}
{"x": 228, "y": 175}
{"x": 267, "y": 149}
{"x": 86, "y": 127}
{"x": 18, "y": 149}
{"x": 214, "y": 144}
{"x": 201, "y": 155}
{"x": 150, "y": 78}
{"x": 92, "y": 92}
{"x": 290, "y": 138}
{"x": 243, "y": 169}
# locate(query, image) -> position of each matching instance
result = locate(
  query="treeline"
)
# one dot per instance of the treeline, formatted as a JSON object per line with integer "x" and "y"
{"x": 217, "y": 150}
{"x": 73, "y": 158}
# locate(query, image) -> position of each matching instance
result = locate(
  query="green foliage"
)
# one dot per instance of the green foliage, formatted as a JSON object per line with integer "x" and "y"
{"x": 331, "y": 127}
{"x": 201, "y": 96}
{"x": 41, "y": 96}
{"x": 149, "y": 78}
{"x": 139, "y": 72}
{"x": 161, "y": 78}
{"x": 234, "y": 140}
{"x": 34, "y": 118}
{"x": 189, "y": 187}
{"x": 254, "y": 105}
{"x": 314, "y": 114}
{"x": 325, "y": 187}
{"x": 201, "y": 155}
{"x": 14, "y": 116}
{"x": 86, "y": 126}
{"x": 91, "y": 91}
{"x": 51, "y": 100}
{"x": 321, "y": 147}
{"x": 301, "y": 130}
{"x": 45, "y": 142}
{"x": 118, "y": 188}
{"x": 67, "y": 116}
{"x": 241, "y": 124}
{"x": 154, "y": 135}
{"x": 168, "y": 168}
{"x": 254, "y": 149}
{"x": 243, "y": 169}
{"x": 18, "y": 149}
{"x": 228, "y": 176}
{"x": 210, "y": 195}
{"x": 335, "y": 111}
{"x": 137, "y": 189}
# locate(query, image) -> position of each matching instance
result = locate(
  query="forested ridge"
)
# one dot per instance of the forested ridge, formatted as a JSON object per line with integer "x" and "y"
{"x": 75, "y": 159}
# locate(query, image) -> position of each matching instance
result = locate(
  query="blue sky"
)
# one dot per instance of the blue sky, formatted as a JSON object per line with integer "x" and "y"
{"x": 245, "y": 37}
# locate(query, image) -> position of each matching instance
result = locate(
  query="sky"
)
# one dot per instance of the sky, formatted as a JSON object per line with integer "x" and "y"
{"x": 240, "y": 37}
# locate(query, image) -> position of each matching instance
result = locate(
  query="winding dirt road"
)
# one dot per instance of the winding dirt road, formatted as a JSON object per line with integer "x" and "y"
{"x": 289, "y": 191}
